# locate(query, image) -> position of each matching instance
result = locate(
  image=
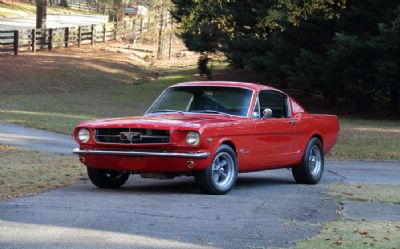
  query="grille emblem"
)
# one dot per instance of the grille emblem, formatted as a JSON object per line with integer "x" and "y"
{"x": 130, "y": 136}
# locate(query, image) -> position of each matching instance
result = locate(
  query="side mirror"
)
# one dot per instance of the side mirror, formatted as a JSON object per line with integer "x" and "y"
{"x": 267, "y": 113}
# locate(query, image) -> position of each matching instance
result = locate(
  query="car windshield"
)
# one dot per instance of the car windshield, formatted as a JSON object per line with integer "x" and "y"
{"x": 204, "y": 99}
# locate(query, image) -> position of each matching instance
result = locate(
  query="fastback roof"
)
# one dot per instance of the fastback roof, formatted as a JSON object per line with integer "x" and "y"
{"x": 252, "y": 86}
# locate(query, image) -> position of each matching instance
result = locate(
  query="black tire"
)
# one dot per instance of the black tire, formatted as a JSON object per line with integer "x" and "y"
{"x": 220, "y": 177}
{"x": 107, "y": 178}
{"x": 308, "y": 172}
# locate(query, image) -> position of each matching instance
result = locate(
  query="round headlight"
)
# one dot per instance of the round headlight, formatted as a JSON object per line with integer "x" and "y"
{"x": 83, "y": 135}
{"x": 192, "y": 138}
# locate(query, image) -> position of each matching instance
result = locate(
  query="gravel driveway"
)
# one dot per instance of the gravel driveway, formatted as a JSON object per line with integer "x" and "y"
{"x": 53, "y": 21}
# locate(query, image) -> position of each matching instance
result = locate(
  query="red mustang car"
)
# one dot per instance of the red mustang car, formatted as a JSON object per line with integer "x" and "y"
{"x": 212, "y": 131}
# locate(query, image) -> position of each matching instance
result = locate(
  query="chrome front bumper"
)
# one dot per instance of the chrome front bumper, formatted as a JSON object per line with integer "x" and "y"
{"x": 198, "y": 155}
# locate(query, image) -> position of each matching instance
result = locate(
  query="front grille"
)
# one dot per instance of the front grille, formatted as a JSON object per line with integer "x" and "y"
{"x": 132, "y": 136}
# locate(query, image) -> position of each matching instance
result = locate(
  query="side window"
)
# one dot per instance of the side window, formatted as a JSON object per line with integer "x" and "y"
{"x": 275, "y": 101}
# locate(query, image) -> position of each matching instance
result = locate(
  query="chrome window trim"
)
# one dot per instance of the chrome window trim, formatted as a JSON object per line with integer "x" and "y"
{"x": 279, "y": 92}
{"x": 246, "y": 88}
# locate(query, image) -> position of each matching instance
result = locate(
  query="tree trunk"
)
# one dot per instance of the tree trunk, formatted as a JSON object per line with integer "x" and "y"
{"x": 64, "y": 3}
{"x": 395, "y": 97}
{"x": 117, "y": 12}
{"x": 202, "y": 67}
{"x": 160, "y": 33}
{"x": 41, "y": 14}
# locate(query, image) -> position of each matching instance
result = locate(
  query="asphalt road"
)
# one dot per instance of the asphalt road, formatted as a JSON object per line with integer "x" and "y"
{"x": 53, "y": 21}
{"x": 265, "y": 209}
{"x": 35, "y": 139}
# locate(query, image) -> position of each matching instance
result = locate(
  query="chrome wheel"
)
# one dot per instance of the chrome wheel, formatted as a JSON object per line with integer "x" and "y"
{"x": 314, "y": 160}
{"x": 223, "y": 170}
{"x": 312, "y": 165}
{"x": 221, "y": 175}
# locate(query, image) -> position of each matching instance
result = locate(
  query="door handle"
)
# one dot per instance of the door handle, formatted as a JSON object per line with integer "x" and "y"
{"x": 292, "y": 122}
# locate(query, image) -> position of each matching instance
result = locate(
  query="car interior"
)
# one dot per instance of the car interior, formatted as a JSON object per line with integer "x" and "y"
{"x": 277, "y": 102}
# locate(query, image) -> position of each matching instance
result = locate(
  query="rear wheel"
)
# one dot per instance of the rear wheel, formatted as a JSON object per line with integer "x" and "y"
{"x": 107, "y": 178}
{"x": 312, "y": 165}
{"x": 220, "y": 177}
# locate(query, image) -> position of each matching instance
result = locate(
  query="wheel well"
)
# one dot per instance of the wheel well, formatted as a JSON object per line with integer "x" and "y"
{"x": 230, "y": 144}
{"x": 319, "y": 137}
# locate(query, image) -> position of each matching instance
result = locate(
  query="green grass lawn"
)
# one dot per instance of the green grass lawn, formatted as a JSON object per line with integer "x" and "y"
{"x": 367, "y": 192}
{"x": 56, "y": 90}
{"x": 366, "y": 139}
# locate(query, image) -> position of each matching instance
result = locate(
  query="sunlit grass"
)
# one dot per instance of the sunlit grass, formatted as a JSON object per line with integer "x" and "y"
{"x": 60, "y": 112}
{"x": 26, "y": 172}
{"x": 363, "y": 139}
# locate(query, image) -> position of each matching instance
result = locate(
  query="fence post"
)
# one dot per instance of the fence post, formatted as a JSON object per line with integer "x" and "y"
{"x": 134, "y": 28}
{"x": 141, "y": 30}
{"x": 104, "y": 32}
{"x": 66, "y": 37}
{"x": 34, "y": 40}
{"x": 115, "y": 30}
{"x": 92, "y": 34}
{"x": 50, "y": 46}
{"x": 79, "y": 36}
{"x": 125, "y": 29}
{"x": 16, "y": 42}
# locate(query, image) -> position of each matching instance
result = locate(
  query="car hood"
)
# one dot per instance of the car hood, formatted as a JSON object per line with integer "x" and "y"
{"x": 183, "y": 121}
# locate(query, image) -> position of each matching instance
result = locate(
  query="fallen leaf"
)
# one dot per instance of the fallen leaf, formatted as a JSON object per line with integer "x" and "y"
{"x": 339, "y": 241}
{"x": 386, "y": 238}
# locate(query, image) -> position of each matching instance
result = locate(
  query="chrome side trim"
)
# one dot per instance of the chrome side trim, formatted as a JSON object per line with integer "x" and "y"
{"x": 198, "y": 155}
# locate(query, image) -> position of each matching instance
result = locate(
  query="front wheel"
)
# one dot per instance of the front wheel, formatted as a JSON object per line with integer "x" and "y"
{"x": 312, "y": 165}
{"x": 220, "y": 177}
{"x": 103, "y": 178}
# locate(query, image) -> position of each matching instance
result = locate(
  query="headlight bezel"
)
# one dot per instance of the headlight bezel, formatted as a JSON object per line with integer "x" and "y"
{"x": 192, "y": 138}
{"x": 81, "y": 135}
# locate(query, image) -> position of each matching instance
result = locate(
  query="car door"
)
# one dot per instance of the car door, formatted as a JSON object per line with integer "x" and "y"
{"x": 277, "y": 139}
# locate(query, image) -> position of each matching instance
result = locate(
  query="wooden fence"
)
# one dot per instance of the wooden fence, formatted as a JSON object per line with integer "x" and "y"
{"x": 79, "y": 4}
{"x": 35, "y": 39}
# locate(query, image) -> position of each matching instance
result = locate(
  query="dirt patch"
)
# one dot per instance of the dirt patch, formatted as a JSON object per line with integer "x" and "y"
{"x": 68, "y": 70}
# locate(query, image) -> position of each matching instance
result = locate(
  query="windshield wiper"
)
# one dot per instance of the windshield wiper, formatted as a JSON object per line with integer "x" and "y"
{"x": 211, "y": 111}
{"x": 167, "y": 110}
